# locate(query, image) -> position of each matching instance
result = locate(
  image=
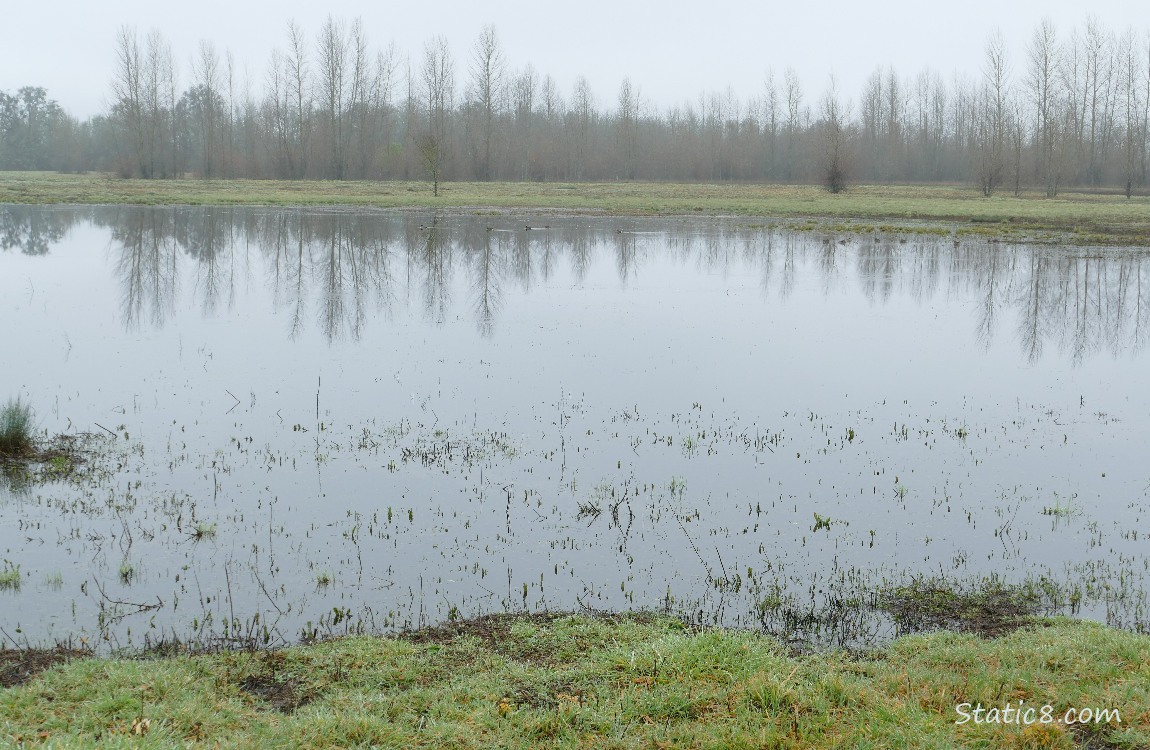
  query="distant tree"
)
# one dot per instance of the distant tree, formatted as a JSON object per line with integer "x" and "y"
{"x": 627, "y": 127}
{"x": 524, "y": 147}
{"x": 486, "y": 97}
{"x": 203, "y": 106}
{"x": 1042, "y": 55}
{"x": 337, "y": 90}
{"x": 143, "y": 87}
{"x": 1130, "y": 77}
{"x": 993, "y": 116}
{"x": 437, "y": 92}
{"x": 299, "y": 98}
{"x": 834, "y": 115}
{"x": 580, "y": 120}
{"x": 769, "y": 126}
{"x": 794, "y": 114}
{"x": 28, "y": 123}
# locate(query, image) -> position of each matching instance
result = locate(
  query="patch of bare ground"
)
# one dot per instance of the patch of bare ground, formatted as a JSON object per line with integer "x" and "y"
{"x": 20, "y": 665}
{"x": 494, "y": 632}
{"x": 272, "y": 688}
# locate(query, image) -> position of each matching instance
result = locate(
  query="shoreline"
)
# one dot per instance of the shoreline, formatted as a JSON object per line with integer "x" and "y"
{"x": 628, "y": 680}
{"x": 1075, "y": 218}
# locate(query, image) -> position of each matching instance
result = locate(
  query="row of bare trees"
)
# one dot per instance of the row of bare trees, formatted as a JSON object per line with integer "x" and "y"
{"x": 1071, "y": 109}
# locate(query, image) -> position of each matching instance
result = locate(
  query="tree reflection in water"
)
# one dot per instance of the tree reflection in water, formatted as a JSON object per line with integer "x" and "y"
{"x": 355, "y": 266}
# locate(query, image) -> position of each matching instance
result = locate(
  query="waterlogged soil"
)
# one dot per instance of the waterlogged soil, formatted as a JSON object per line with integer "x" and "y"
{"x": 314, "y": 423}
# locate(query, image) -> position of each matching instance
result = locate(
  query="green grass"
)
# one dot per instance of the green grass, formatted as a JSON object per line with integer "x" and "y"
{"x": 9, "y": 576}
{"x": 574, "y": 681}
{"x": 1089, "y": 218}
{"x": 1062, "y": 508}
{"x": 17, "y": 423}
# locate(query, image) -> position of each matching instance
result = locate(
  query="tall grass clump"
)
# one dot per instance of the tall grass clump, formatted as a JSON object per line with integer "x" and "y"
{"x": 17, "y": 423}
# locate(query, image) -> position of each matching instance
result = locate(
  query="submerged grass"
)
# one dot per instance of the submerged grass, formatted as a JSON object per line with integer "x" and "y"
{"x": 579, "y": 681}
{"x": 1087, "y": 218}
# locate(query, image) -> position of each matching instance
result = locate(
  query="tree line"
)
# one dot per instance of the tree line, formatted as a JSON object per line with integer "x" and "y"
{"x": 1070, "y": 109}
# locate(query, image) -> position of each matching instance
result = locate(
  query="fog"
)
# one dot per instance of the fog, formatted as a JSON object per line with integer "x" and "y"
{"x": 672, "y": 55}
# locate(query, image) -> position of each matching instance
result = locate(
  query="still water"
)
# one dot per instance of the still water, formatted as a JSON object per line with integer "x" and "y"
{"x": 312, "y": 422}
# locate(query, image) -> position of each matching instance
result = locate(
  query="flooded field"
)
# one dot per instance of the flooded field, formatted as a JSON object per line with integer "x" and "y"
{"x": 316, "y": 422}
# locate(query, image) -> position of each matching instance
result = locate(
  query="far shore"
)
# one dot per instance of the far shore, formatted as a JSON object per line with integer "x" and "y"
{"x": 1072, "y": 217}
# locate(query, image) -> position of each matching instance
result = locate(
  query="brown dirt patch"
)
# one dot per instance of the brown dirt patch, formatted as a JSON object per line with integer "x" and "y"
{"x": 18, "y": 666}
{"x": 494, "y": 631}
{"x": 283, "y": 695}
{"x": 272, "y": 687}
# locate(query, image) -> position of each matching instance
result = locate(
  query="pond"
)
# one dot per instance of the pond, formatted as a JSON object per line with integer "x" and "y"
{"x": 312, "y": 422}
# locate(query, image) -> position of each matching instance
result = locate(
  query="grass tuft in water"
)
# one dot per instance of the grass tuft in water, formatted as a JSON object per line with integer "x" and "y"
{"x": 988, "y": 607}
{"x": 9, "y": 577}
{"x": 17, "y": 423}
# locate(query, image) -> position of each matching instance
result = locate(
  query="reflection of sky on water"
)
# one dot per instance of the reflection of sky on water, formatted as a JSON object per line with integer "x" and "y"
{"x": 613, "y": 355}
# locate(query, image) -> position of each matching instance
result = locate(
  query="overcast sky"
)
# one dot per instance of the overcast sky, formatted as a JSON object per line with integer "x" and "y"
{"x": 671, "y": 50}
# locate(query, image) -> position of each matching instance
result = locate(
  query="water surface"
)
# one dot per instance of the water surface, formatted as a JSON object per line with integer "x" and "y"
{"x": 322, "y": 421}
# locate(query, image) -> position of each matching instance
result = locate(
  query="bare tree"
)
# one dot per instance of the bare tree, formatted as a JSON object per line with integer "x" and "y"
{"x": 128, "y": 104}
{"x": 769, "y": 117}
{"x": 581, "y": 119}
{"x": 486, "y": 95}
{"x": 794, "y": 97}
{"x": 1130, "y": 75}
{"x": 300, "y": 100}
{"x": 993, "y": 119}
{"x": 834, "y": 116}
{"x": 335, "y": 89}
{"x": 1098, "y": 96}
{"x": 1041, "y": 80}
{"x": 627, "y": 124}
{"x": 438, "y": 93}
{"x": 143, "y": 87}
{"x": 524, "y": 94}
{"x": 204, "y": 106}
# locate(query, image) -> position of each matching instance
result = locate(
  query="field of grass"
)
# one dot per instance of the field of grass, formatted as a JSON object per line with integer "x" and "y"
{"x": 1088, "y": 218}
{"x": 576, "y": 681}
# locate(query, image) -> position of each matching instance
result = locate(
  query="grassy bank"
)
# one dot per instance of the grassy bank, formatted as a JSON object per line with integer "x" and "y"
{"x": 1079, "y": 217}
{"x": 575, "y": 681}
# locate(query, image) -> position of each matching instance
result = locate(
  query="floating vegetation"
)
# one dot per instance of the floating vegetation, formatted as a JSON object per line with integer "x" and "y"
{"x": 821, "y": 522}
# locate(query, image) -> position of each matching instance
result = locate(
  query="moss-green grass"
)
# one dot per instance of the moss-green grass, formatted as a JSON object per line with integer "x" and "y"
{"x": 1079, "y": 217}
{"x": 575, "y": 681}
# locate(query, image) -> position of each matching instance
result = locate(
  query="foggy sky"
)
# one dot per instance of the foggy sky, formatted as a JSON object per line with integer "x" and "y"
{"x": 672, "y": 50}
